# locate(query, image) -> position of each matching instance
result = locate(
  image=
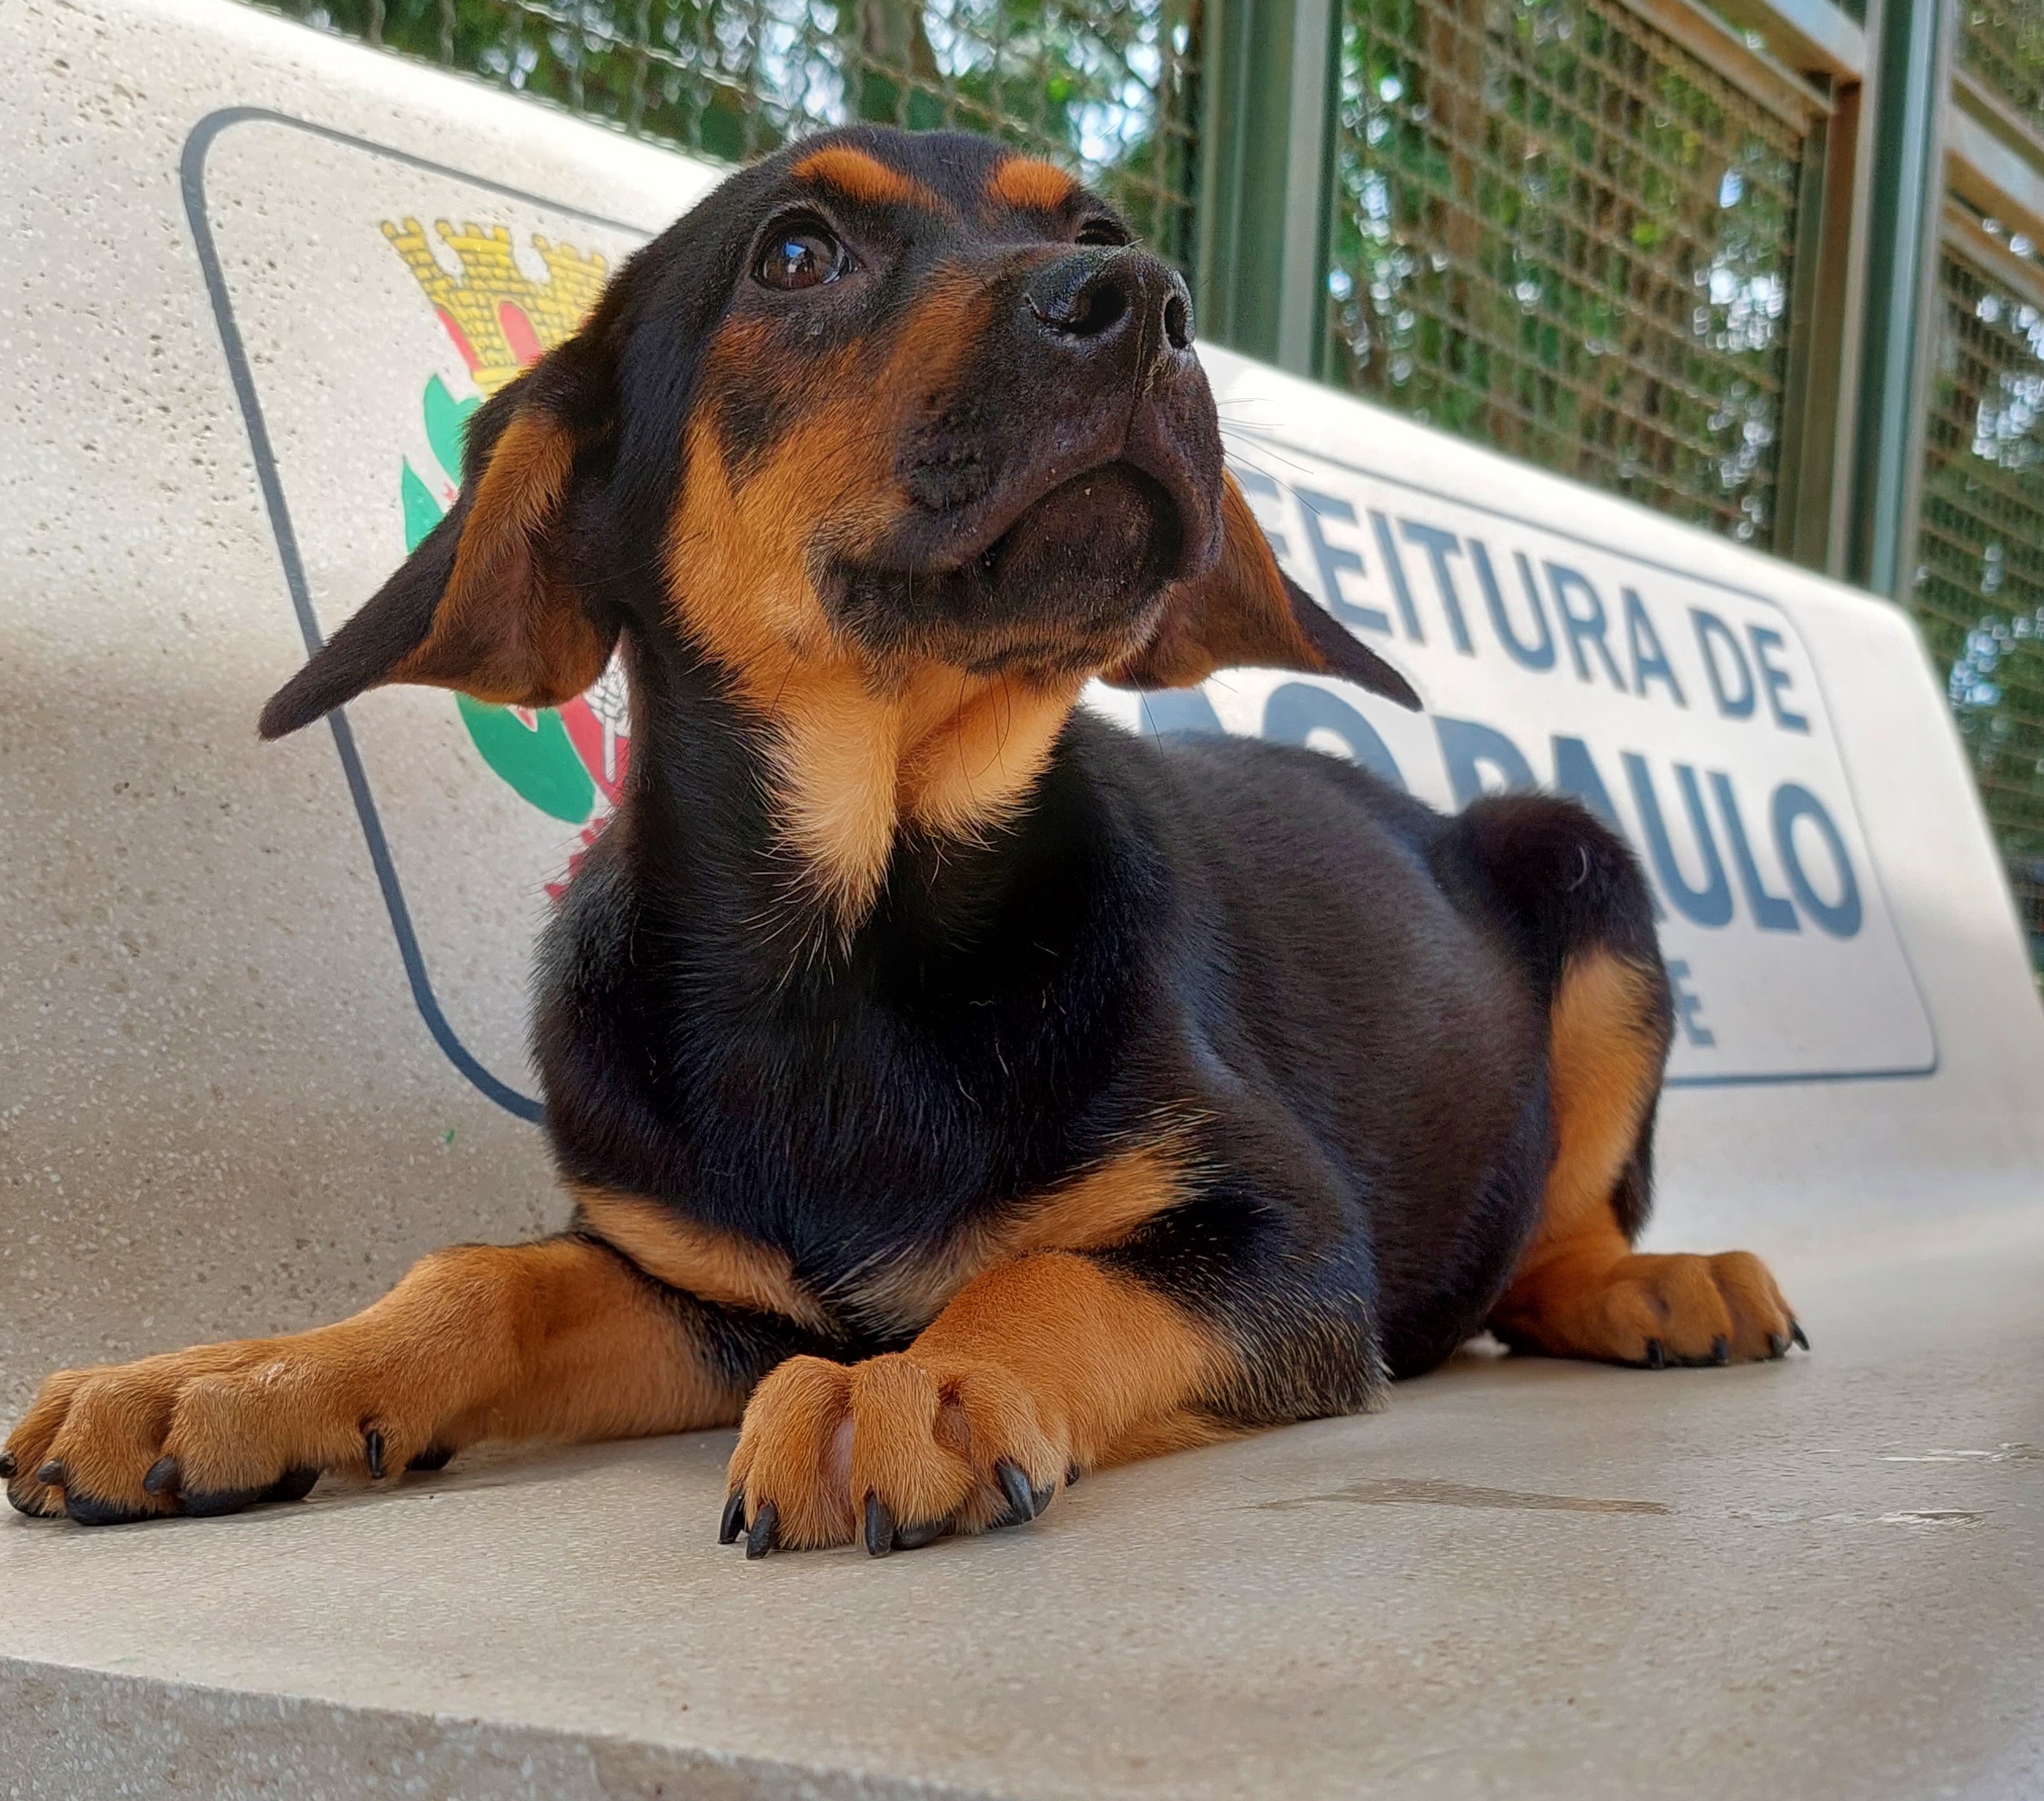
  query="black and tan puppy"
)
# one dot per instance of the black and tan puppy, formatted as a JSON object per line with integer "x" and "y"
{"x": 959, "y": 1092}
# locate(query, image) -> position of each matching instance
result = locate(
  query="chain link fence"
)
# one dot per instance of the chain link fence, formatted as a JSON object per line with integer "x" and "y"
{"x": 1555, "y": 230}
{"x": 1109, "y": 87}
{"x": 1979, "y": 581}
{"x": 2001, "y": 45}
{"x": 1559, "y": 233}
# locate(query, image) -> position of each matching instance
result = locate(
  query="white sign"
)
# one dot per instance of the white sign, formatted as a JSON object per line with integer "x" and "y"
{"x": 1685, "y": 712}
{"x": 1552, "y": 650}
{"x": 356, "y": 436}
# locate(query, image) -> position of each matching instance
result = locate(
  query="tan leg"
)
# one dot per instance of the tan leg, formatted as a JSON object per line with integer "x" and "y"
{"x": 559, "y": 1340}
{"x": 1580, "y": 1290}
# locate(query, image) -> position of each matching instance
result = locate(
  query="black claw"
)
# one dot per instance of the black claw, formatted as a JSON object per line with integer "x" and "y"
{"x": 6, "y": 1464}
{"x": 51, "y": 1474}
{"x": 763, "y": 1537}
{"x": 1021, "y": 1497}
{"x": 879, "y": 1527}
{"x": 163, "y": 1476}
{"x": 1778, "y": 1346}
{"x": 914, "y": 1538}
{"x": 433, "y": 1457}
{"x": 733, "y": 1520}
{"x": 1720, "y": 1349}
{"x": 1657, "y": 1358}
{"x": 293, "y": 1485}
{"x": 372, "y": 1442}
{"x": 1796, "y": 1332}
{"x": 1072, "y": 1474}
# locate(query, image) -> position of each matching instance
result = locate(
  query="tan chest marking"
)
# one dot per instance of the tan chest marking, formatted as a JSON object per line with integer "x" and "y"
{"x": 859, "y": 750}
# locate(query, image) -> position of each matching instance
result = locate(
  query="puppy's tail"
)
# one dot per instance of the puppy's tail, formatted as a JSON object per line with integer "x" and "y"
{"x": 1563, "y": 883}
{"x": 1576, "y": 906}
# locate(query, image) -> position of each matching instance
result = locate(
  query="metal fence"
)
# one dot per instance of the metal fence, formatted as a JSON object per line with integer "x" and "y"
{"x": 1109, "y": 86}
{"x": 1980, "y": 582}
{"x": 1663, "y": 246}
{"x": 1559, "y": 233}
{"x": 2001, "y": 43}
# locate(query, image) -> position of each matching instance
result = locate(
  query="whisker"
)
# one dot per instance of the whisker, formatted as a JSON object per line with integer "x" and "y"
{"x": 1264, "y": 445}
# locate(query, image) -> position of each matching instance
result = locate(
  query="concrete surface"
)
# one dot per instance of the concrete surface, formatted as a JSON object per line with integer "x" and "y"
{"x": 220, "y": 1111}
{"x": 1818, "y": 1578}
{"x": 223, "y": 1111}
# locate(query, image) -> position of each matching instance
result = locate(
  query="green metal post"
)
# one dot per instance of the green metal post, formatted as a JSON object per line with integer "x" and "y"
{"x": 1266, "y": 133}
{"x": 1910, "y": 45}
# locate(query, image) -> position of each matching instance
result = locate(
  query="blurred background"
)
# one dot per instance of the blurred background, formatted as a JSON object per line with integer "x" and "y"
{"x": 1771, "y": 267}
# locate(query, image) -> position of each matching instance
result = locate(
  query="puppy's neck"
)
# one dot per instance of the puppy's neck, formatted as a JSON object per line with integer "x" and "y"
{"x": 858, "y": 758}
{"x": 802, "y": 778}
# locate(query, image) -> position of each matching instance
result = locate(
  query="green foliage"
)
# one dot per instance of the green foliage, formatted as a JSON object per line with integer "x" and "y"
{"x": 1558, "y": 233}
{"x": 1555, "y": 232}
{"x": 1979, "y": 587}
{"x": 2002, "y": 43}
{"x": 1108, "y": 87}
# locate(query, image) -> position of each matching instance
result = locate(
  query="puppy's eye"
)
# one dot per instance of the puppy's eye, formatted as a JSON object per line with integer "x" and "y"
{"x": 801, "y": 254}
{"x": 1102, "y": 231}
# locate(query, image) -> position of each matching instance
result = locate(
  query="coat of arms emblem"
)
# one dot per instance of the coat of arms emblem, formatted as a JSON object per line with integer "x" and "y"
{"x": 567, "y": 761}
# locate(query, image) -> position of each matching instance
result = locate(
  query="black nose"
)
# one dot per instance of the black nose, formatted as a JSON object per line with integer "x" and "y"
{"x": 1095, "y": 297}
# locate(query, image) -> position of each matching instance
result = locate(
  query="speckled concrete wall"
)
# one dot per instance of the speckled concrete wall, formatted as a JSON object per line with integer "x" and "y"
{"x": 220, "y": 1109}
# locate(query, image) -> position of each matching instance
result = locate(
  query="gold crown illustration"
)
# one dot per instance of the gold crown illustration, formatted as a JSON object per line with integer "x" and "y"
{"x": 499, "y": 318}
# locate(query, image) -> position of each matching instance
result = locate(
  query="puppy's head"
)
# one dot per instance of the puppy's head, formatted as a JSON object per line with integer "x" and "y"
{"x": 900, "y": 434}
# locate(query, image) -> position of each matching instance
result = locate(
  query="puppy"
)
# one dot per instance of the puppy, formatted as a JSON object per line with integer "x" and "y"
{"x": 958, "y": 1092}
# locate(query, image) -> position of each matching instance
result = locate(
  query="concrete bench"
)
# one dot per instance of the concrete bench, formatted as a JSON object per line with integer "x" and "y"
{"x": 262, "y": 1043}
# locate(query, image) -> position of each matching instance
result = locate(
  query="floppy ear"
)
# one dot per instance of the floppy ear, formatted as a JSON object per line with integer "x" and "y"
{"x": 485, "y": 604}
{"x": 1245, "y": 612}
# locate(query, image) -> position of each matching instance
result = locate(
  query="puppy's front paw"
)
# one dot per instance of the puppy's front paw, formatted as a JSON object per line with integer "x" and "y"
{"x": 897, "y": 1450}
{"x": 209, "y": 1430}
